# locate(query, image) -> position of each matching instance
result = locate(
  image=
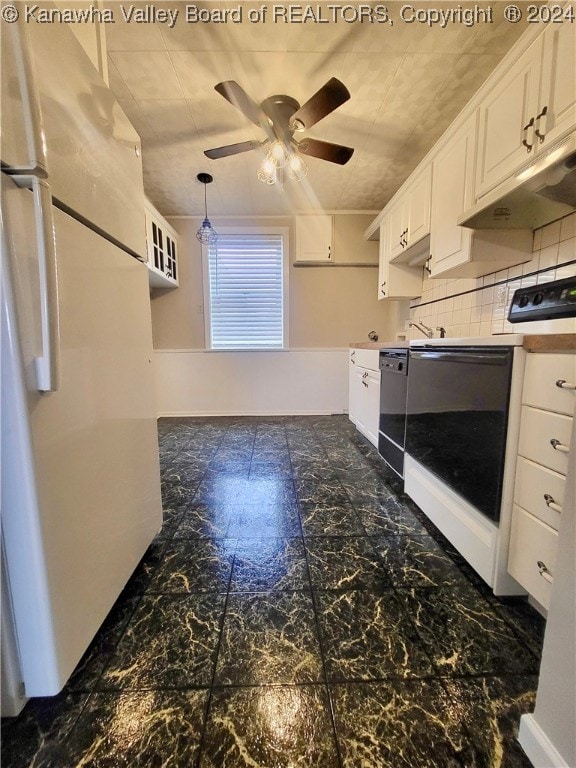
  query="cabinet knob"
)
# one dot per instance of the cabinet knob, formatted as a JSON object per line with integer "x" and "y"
{"x": 544, "y": 572}
{"x": 565, "y": 384}
{"x": 540, "y": 129}
{"x": 558, "y": 446}
{"x": 525, "y": 130}
{"x": 550, "y": 502}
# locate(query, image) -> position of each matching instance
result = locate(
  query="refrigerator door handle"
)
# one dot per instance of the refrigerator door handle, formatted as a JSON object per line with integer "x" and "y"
{"x": 47, "y": 366}
{"x": 33, "y": 123}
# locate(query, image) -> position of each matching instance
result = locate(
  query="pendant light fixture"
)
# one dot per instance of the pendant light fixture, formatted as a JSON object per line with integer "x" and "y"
{"x": 206, "y": 235}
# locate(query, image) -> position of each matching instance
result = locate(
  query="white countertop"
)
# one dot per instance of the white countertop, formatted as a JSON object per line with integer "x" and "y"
{"x": 503, "y": 340}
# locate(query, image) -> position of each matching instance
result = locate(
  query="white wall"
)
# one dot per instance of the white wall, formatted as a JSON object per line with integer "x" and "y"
{"x": 296, "y": 381}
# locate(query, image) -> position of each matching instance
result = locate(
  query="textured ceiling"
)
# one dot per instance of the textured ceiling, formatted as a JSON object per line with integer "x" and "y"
{"x": 407, "y": 82}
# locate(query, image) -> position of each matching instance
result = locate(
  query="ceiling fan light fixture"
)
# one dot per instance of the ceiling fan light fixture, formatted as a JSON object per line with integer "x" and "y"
{"x": 297, "y": 168}
{"x": 277, "y": 153}
{"x": 267, "y": 172}
{"x": 206, "y": 234}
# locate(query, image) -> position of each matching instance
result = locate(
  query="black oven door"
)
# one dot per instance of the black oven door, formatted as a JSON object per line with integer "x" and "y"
{"x": 457, "y": 417}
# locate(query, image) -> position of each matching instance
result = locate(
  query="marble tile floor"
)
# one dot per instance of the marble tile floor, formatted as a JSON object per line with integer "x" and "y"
{"x": 295, "y": 610}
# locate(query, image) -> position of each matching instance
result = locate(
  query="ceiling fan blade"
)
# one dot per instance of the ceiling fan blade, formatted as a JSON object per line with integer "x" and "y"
{"x": 232, "y": 149}
{"x": 237, "y": 96}
{"x": 332, "y": 95}
{"x": 334, "y": 153}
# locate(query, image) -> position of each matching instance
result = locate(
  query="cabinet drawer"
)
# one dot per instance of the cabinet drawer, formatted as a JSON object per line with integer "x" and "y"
{"x": 540, "y": 389}
{"x": 533, "y": 484}
{"x": 532, "y": 542}
{"x": 537, "y": 429}
{"x": 366, "y": 358}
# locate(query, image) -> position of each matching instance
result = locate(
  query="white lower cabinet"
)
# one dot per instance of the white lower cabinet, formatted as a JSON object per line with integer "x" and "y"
{"x": 541, "y": 470}
{"x": 532, "y": 554}
{"x": 364, "y": 392}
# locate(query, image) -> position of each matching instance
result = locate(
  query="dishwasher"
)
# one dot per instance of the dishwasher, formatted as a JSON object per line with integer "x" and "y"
{"x": 393, "y": 393}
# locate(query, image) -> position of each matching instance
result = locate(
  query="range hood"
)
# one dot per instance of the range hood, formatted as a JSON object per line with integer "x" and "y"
{"x": 540, "y": 192}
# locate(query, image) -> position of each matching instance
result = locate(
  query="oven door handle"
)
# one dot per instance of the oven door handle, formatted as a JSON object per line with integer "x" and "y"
{"x": 480, "y": 358}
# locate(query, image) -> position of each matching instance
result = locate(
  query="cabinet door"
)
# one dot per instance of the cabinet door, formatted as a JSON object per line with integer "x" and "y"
{"x": 314, "y": 238}
{"x": 372, "y": 406}
{"x": 354, "y": 386}
{"x": 558, "y": 92}
{"x": 397, "y": 229}
{"x": 366, "y": 387}
{"x": 452, "y": 193}
{"x": 419, "y": 207}
{"x": 383, "y": 261}
{"x": 507, "y": 118}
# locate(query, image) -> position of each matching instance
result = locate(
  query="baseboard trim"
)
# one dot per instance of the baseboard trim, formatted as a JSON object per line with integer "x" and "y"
{"x": 184, "y": 414}
{"x": 537, "y": 746}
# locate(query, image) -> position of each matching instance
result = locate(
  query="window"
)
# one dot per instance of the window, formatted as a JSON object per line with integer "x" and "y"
{"x": 246, "y": 286}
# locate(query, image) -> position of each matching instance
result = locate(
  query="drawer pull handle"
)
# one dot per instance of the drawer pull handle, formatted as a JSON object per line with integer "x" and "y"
{"x": 558, "y": 446}
{"x": 365, "y": 383}
{"x": 544, "y": 572}
{"x": 551, "y": 503}
{"x": 565, "y": 384}
{"x": 352, "y": 356}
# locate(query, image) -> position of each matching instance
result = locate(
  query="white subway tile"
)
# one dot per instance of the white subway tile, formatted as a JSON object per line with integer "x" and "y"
{"x": 566, "y": 251}
{"x": 551, "y": 234}
{"x": 563, "y": 272}
{"x": 548, "y": 257}
{"x": 537, "y": 242}
{"x": 568, "y": 227}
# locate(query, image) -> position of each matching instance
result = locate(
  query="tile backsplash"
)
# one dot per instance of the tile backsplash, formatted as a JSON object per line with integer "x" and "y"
{"x": 479, "y": 306}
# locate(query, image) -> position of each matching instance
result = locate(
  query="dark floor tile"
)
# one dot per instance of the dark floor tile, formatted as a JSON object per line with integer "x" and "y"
{"x": 195, "y": 565}
{"x": 262, "y": 565}
{"x": 408, "y": 724}
{"x": 170, "y": 520}
{"x": 525, "y": 621}
{"x": 347, "y": 562}
{"x": 138, "y": 582}
{"x": 366, "y": 636}
{"x": 325, "y": 509}
{"x": 100, "y": 650}
{"x": 199, "y": 522}
{"x": 27, "y": 740}
{"x": 417, "y": 561}
{"x": 262, "y": 469}
{"x": 170, "y": 642}
{"x": 490, "y": 710}
{"x": 276, "y": 727}
{"x": 388, "y": 517}
{"x": 463, "y": 635}
{"x": 143, "y": 728}
{"x": 269, "y": 638}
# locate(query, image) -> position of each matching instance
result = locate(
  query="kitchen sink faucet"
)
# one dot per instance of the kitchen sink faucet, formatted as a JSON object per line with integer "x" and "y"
{"x": 428, "y": 332}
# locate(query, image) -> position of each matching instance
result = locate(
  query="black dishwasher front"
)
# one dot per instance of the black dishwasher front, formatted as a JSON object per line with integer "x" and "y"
{"x": 393, "y": 391}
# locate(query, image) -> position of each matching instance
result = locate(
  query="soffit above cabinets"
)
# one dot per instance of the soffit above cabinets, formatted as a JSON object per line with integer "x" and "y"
{"x": 407, "y": 83}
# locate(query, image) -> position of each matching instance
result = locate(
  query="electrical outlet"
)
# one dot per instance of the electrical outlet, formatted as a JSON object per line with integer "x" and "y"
{"x": 501, "y": 296}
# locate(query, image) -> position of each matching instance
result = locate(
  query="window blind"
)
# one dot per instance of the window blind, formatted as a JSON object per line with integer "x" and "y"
{"x": 246, "y": 291}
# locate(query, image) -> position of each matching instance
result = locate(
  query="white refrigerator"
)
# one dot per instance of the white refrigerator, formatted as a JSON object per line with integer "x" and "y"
{"x": 79, "y": 451}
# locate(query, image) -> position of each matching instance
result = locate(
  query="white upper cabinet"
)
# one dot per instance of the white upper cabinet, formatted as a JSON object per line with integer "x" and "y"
{"x": 458, "y": 251}
{"x": 396, "y": 281}
{"x": 558, "y": 91}
{"x": 409, "y": 218}
{"x": 419, "y": 206}
{"x": 161, "y": 249}
{"x": 314, "y": 238}
{"x": 452, "y": 193}
{"x": 532, "y": 105}
{"x": 507, "y": 121}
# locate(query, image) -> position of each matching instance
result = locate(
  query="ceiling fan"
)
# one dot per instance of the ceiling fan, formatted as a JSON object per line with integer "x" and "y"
{"x": 282, "y": 116}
